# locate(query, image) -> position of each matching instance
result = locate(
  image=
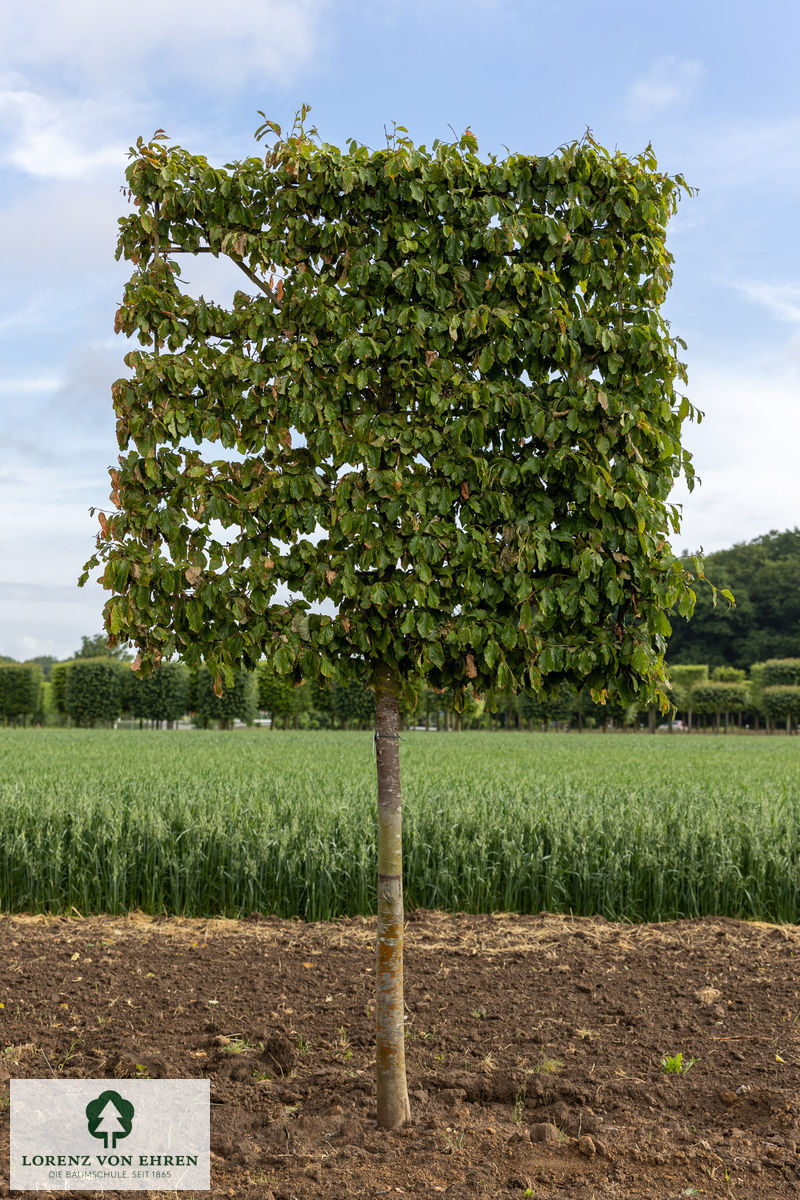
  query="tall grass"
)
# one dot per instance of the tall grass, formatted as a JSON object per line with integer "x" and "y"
{"x": 633, "y": 828}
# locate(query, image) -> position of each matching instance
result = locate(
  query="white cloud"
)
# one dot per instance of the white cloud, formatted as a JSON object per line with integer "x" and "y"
{"x": 745, "y": 453}
{"x": 669, "y": 82}
{"x": 56, "y": 139}
{"x": 212, "y": 45}
{"x": 782, "y": 299}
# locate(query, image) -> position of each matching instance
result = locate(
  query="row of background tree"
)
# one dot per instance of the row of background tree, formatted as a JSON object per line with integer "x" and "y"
{"x": 735, "y": 644}
{"x": 99, "y": 689}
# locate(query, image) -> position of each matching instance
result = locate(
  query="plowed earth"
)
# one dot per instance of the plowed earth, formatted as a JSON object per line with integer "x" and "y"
{"x": 534, "y": 1049}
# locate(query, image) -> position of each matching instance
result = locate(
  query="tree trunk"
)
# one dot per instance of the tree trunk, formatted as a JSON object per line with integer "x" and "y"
{"x": 651, "y": 719}
{"x": 393, "y": 1106}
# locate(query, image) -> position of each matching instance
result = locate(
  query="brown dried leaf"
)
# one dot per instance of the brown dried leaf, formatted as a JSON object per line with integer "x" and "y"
{"x": 103, "y": 519}
{"x": 430, "y": 356}
{"x": 472, "y": 670}
{"x": 193, "y": 576}
{"x": 330, "y": 576}
{"x": 345, "y": 625}
{"x": 137, "y": 662}
{"x": 465, "y": 490}
{"x": 218, "y": 689}
{"x": 285, "y": 439}
{"x": 601, "y": 400}
{"x": 114, "y": 498}
{"x": 279, "y": 290}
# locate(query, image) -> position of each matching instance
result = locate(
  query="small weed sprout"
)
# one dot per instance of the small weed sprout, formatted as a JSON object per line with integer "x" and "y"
{"x": 674, "y": 1064}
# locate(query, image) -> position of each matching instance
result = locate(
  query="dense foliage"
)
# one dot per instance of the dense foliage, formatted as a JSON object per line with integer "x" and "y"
{"x": 764, "y": 576}
{"x": 92, "y": 691}
{"x": 454, "y": 370}
{"x": 633, "y": 828}
{"x": 162, "y": 696}
{"x": 20, "y": 686}
{"x": 238, "y": 702}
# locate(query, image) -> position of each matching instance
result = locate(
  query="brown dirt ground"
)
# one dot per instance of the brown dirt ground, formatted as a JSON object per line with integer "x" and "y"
{"x": 534, "y": 1049}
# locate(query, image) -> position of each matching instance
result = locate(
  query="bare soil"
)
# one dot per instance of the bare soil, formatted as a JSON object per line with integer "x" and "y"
{"x": 534, "y": 1049}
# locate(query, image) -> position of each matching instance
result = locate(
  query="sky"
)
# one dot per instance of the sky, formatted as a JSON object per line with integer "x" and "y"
{"x": 713, "y": 87}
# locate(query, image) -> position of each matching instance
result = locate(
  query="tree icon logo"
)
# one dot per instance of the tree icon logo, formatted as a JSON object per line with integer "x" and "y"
{"x": 109, "y": 1116}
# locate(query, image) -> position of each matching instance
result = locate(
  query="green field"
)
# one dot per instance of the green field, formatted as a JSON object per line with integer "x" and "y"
{"x": 631, "y": 827}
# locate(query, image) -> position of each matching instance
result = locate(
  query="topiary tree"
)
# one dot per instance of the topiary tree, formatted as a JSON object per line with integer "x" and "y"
{"x": 682, "y": 678}
{"x": 717, "y": 698}
{"x": 20, "y": 686}
{"x": 728, "y": 675}
{"x": 59, "y": 679}
{"x": 755, "y": 691}
{"x": 276, "y": 695}
{"x": 93, "y": 691}
{"x": 238, "y": 702}
{"x": 782, "y": 702}
{"x": 782, "y": 672}
{"x": 161, "y": 696}
{"x": 448, "y": 406}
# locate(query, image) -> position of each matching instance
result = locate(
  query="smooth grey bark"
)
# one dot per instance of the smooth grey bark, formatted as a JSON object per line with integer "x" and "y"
{"x": 392, "y": 1090}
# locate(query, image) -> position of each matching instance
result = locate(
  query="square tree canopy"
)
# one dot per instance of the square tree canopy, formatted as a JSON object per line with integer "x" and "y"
{"x": 448, "y": 401}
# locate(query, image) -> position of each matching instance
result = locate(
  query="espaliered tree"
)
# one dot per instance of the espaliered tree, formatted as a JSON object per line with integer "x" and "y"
{"x": 447, "y": 405}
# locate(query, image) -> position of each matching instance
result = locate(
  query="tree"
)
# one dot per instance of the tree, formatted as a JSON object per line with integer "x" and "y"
{"x": 353, "y": 703}
{"x": 98, "y": 647}
{"x": 60, "y": 672}
{"x": 449, "y": 408}
{"x": 683, "y": 677}
{"x": 755, "y": 691}
{"x": 780, "y": 689}
{"x": 717, "y": 697}
{"x": 782, "y": 672}
{"x": 544, "y": 708}
{"x": 782, "y": 701}
{"x": 237, "y": 702}
{"x": 162, "y": 696}
{"x": 46, "y": 662}
{"x": 20, "y": 686}
{"x": 276, "y": 695}
{"x": 93, "y": 691}
{"x": 764, "y": 575}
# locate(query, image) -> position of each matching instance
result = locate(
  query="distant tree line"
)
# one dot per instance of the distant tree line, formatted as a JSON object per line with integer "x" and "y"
{"x": 729, "y": 666}
{"x": 764, "y": 576}
{"x": 98, "y": 691}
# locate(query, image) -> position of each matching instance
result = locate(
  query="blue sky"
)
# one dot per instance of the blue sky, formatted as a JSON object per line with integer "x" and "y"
{"x": 714, "y": 88}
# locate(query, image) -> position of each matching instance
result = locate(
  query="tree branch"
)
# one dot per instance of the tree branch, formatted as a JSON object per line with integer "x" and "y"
{"x": 251, "y": 275}
{"x": 155, "y": 255}
{"x": 258, "y": 282}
